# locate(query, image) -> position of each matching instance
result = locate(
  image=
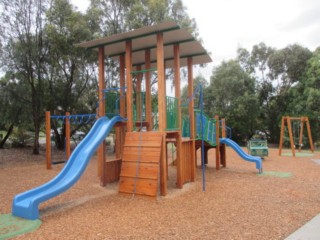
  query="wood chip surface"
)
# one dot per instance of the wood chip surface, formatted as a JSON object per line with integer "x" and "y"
{"x": 237, "y": 203}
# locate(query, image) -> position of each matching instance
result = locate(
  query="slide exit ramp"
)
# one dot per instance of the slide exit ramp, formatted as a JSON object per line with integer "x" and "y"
{"x": 25, "y": 205}
{"x": 243, "y": 154}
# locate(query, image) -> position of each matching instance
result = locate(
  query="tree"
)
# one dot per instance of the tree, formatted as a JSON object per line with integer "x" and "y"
{"x": 72, "y": 83}
{"x": 231, "y": 94}
{"x": 24, "y": 52}
{"x": 288, "y": 65}
{"x": 117, "y": 16}
{"x": 12, "y": 108}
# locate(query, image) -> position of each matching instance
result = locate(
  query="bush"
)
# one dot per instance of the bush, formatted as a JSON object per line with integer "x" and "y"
{"x": 21, "y": 138}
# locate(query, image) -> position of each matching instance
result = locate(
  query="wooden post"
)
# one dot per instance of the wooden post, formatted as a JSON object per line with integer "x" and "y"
{"x": 281, "y": 135}
{"x": 176, "y": 51}
{"x": 68, "y": 133}
{"x": 139, "y": 95}
{"x": 48, "y": 140}
{"x": 222, "y": 149}
{"x": 223, "y": 156}
{"x": 290, "y": 136}
{"x": 309, "y": 135}
{"x": 217, "y": 143}
{"x": 192, "y": 120}
{"x": 120, "y": 130}
{"x": 129, "y": 86}
{"x": 179, "y": 161}
{"x": 122, "y": 87}
{"x": 148, "y": 91}
{"x": 122, "y": 100}
{"x": 162, "y": 112}
{"x": 223, "y": 128}
{"x": 101, "y": 111}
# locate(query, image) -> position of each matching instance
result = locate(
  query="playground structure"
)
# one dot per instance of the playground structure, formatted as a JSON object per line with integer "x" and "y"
{"x": 144, "y": 124}
{"x": 65, "y": 120}
{"x": 295, "y": 135}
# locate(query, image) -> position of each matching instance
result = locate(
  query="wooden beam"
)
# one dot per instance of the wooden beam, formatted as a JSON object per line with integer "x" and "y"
{"x": 148, "y": 90}
{"x": 217, "y": 143}
{"x": 129, "y": 86}
{"x": 101, "y": 112}
{"x": 122, "y": 86}
{"x": 120, "y": 131}
{"x": 161, "y": 83}
{"x": 223, "y": 128}
{"x": 139, "y": 94}
{"x": 192, "y": 120}
{"x": 176, "y": 51}
{"x": 48, "y": 140}
{"x": 291, "y": 136}
{"x": 281, "y": 135}
{"x": 309, "y": 135}
{"x": 222, "y": 148}
{"x": 162, "y": 112}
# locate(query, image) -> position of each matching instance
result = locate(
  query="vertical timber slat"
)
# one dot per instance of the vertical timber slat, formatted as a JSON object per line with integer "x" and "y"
{"x": 162, "y": 112}
{"x": 129, "y": 85}
{"x": 148, "y": 90}
{"x": 281, "y": 135}
{"x": 218, "y": 143}
{"x": 176, "y": 51}
{"x": 309, "y": 135}
{"x": 101, "y": 112}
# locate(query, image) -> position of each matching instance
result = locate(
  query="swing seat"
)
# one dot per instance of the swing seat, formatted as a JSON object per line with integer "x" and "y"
{"x": 258, "y": 147}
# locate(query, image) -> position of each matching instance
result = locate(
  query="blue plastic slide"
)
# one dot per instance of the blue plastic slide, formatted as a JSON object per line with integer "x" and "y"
{"x": 243, "y": 154}
{"x": 26, "y": 204}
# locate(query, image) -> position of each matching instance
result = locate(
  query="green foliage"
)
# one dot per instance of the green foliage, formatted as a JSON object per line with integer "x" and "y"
{"x": 21, "y": 138}
{"x": 44, "y": 68}
{"x": 288, "y": 65}
{"x": 231, "y": 95}
{"x": 72, "y": 81}
{"x": 284, "y": 85}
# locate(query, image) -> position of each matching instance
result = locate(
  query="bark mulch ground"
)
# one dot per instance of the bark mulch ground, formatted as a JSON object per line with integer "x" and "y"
{"x": 237, "y": 204}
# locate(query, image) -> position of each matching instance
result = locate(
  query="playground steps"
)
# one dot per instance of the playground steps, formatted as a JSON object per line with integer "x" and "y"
{"x": 140, "y": 163}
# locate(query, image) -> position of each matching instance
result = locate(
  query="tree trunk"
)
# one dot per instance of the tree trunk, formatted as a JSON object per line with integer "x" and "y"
{"x": 3, "y": 141}
{"x": 36, "y": 138}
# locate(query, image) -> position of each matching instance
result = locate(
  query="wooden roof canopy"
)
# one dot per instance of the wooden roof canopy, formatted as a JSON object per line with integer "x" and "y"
{"x": 145, "y": 38}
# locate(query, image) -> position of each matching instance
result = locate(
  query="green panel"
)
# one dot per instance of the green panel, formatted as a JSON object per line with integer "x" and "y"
{"x": 112, "y": 103}
{"x": 185, "y": 126}
{"x": 209, "y": 128}
{"x": 172, "y": 113}
{"x": 276, "y": 174}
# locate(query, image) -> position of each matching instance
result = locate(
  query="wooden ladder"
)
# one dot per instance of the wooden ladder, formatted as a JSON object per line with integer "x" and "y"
{"x": 140, "y": 163}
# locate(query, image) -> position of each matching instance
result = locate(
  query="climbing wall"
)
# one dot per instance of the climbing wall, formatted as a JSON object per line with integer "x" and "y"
{"x": 140, "y": 163}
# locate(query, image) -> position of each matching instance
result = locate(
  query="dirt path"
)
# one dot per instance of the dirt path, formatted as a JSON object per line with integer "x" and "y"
{"x": 237, "y": 203}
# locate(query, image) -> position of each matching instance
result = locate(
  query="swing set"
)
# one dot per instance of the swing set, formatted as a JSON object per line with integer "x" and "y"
{"x": 67, "y": 120}
{"x": 295, "y": 127}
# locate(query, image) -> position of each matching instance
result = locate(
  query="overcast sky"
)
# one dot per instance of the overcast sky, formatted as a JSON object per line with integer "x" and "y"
{"x": 224, "y": 25}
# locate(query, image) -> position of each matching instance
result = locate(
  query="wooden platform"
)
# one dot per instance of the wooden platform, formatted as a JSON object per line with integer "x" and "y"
{"x": 140, "y": 163}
